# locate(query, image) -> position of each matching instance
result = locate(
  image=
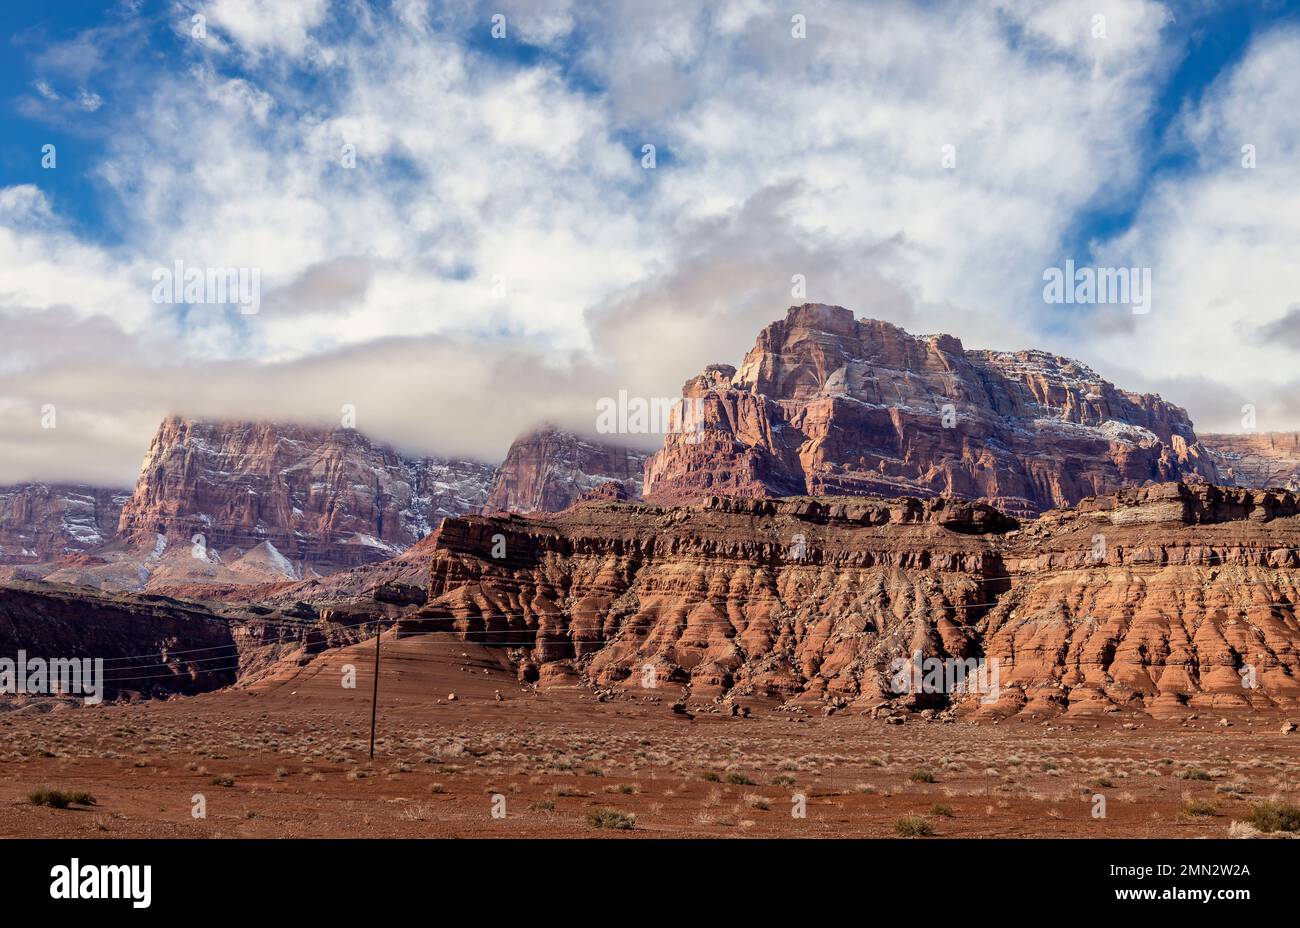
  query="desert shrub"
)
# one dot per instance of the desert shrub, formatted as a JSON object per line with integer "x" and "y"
{"x": 611, "y": 818}
{"x": 1274, "y": 816}
{"x": 913, "y": 826}
{"x": 59, "y": 798}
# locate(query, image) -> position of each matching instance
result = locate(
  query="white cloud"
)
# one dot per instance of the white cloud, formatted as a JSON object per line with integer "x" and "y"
{"x": 1222, "y": 241}
{"x": 261, "y": 26}
{"x": 818, "y": 156}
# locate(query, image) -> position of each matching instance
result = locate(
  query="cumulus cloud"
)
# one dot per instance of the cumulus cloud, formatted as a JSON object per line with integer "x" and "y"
{"x": 263, "y": 26}
{"x": 456, "y": 234}
{"x": 328, "y": 286}
{"x": 1221, "y": 238}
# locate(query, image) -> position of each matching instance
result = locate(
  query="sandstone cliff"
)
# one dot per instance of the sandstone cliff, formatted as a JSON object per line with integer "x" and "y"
{"x": 1166, "y": 598}
{"x": 548, "y": 469}
{"x": 314, "y": 499}
{"x": 40, "y": 523}
{"x": 1257, "y": 459}
{"x": 1169, "y": 598}
{"x": 828, "y": 405}
{"x": 228, "y": 504}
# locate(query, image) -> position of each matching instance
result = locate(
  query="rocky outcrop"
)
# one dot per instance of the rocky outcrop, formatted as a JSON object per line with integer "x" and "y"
{"x": 154, "y": 645}
{"x": 41, "y": 523}
{"x": 1257, "y": 459}
{"x": 825, "y": 404}
{"x": 341, "y": 589}
{"x": 1166, "y": 598}
{"x": 548, "y": 469}
{"x": 769, "y": 596}
{"x": 224, "y": 505}
{"x": 614, "y": 491}
{"x": 305, "y": 500}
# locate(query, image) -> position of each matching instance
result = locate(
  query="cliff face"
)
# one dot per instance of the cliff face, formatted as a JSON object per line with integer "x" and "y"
{"x": 275, "y": 502}
{"x": 548, "y": 469}
{"x": 825, "y": 404}
{"x": 40, "y": 523}
{"x": 1167, "y": 598}
{"x": 1257, "y": 459}
{"x": 320, "y": 499}
{"x": 153, "y": 645}
{"x": 1162, "y": 597}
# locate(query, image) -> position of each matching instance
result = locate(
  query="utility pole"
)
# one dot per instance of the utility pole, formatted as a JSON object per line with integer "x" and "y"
{"x": 374, "y": 696}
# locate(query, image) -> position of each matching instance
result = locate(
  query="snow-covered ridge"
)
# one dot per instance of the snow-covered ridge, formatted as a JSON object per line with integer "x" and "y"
{"x": 321, "y": 498}
{"x": 41, "y": 521}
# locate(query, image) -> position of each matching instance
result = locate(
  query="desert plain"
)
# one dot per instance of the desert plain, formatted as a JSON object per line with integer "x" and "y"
{"x": 288, "y": 757}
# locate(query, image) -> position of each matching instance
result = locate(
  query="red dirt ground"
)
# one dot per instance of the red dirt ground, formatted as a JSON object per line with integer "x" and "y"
{"x": 295, "y": 753}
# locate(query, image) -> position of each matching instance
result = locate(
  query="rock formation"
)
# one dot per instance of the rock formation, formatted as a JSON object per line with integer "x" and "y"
{"x": 230, "y": 504}
{"x": 828, "y": 405}
{"x": 1257, "y": 459}
{"x": 1167, "y": 598}
{"x": 547, "y": 469}
{"x": 309, "y": 500}
{"x": 40, "y": 523}
{"x": 153, "y": 645}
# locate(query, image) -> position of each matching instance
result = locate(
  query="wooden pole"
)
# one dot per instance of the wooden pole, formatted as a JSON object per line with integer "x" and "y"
{"x": 374, "y": 696}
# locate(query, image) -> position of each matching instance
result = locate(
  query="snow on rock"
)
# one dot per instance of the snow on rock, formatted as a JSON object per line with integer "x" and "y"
{"x": 827, "y": 404}
{"x": 310, "y": 493}
{"x": 42, "y": 522}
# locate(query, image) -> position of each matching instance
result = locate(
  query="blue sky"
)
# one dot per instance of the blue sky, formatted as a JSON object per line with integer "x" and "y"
{"x": 1210, "y": 39}
{"x": 498, "y": 249}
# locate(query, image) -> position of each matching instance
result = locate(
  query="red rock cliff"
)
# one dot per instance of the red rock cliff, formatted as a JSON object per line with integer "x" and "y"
{"x": 548, "y": 469}
{"x": 323, "y": 498}
{"x": 1258, "y": 459}
{"x": 826, "y": 404}
{"x": 1166, "y": 598}
{"x": 40, "y": 523}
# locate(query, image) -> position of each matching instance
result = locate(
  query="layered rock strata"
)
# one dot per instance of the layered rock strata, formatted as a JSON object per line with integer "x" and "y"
{"x": 316, "y": 499}
{"x": 548, "y": 469}
{"x": 825, "y": 404}
{"x": 1257, "y": 459}
{"x": 1168, "y": 598}
{"x": 40, "y": 523}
